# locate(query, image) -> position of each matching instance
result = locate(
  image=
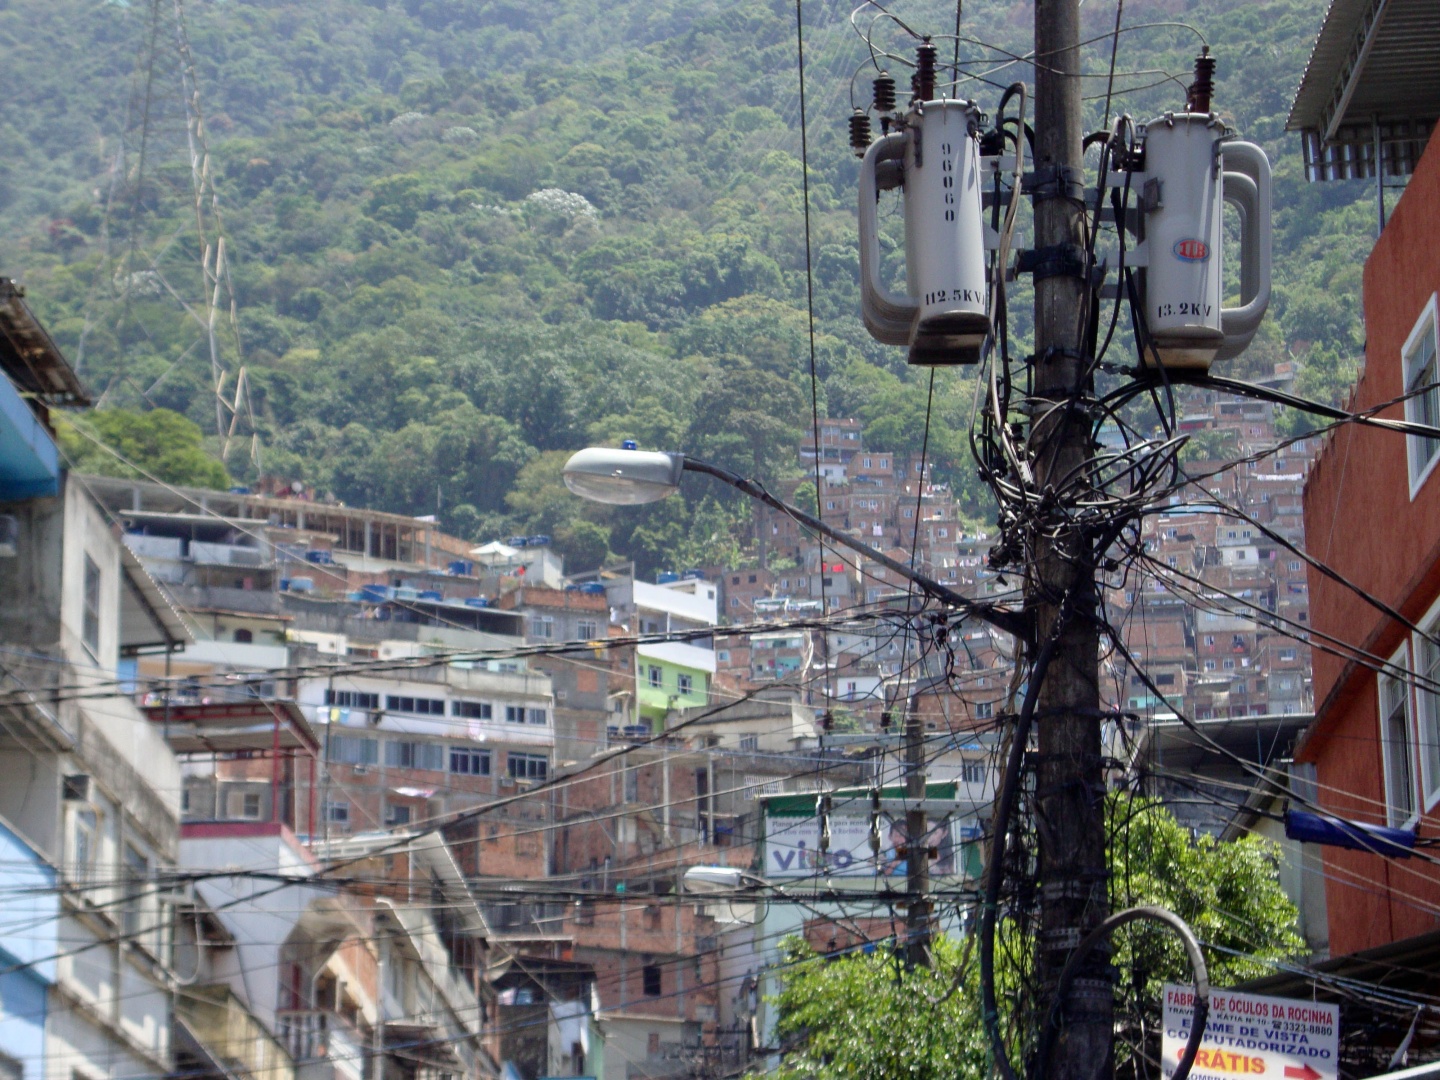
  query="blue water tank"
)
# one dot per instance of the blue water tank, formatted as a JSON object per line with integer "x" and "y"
{"x": 320, "y": 557}
{"x": 538, "y": 541}
{"x": 570, "y": 586}
{"x": 518, "y": 541}
{"x": 665, "y": 577}
{"x": 462, "y": 567}
{"x": 284, "y": 584}
{"x": 477, "y": 601}
{"x": 356, "y": 595}
{"x": 431, "y": 594}
{"x": 593, "y": 588}
{"x": 693, "y": 575}
{"x": 376, "y": 593}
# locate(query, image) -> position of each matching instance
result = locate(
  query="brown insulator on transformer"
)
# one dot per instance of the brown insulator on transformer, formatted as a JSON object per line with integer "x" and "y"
{"x": 884, "y": 93}
{"x": 859, "y": 132}
{"x": 925, "y": 57}
{"x": 1197, "y": 98}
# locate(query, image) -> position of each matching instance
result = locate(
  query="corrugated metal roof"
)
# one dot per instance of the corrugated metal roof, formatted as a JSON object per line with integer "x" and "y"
{"x": 1374, "y": 74}
{"x": 30, "y": 358}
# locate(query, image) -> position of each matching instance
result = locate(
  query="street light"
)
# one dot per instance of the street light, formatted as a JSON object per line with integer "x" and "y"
{"x": 624, "y": 477}
{"x": 731, "y": 886}
{"x": 628, "y": 476}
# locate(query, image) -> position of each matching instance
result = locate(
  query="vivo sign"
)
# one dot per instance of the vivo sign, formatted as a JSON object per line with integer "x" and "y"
{"x": 792, "y": 846}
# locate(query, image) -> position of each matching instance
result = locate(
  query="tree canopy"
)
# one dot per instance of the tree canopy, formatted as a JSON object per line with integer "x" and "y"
{"x": 866, "y": 1016}
{"x": 462, "y": 235}
{"x": 156, "y": 445}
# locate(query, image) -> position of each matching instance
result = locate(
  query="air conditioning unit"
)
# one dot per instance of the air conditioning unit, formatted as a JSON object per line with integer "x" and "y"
{"x": 363, "y": 770}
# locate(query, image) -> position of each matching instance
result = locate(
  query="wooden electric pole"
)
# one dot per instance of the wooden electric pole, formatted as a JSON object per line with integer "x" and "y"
{"x": 1069, "y": 785}
{"x": 917, "y": 852}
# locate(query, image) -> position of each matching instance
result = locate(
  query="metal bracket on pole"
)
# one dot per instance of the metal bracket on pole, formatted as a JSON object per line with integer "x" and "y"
{"x": 1054, "y": 182}
{"x": 1056, "y": 260}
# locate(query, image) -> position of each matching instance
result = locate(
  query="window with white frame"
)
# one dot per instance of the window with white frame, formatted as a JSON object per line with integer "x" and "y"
{"x": 1395, "y": 744}
{"x": 404, "y": 703}
{"x": 90, "y": 627}
{"x": 683, "y": 683}
{"x": 84, "y": 844}
{"x": 135, "y": 872}
{"x": 352, "y": 699}
{"x": 542, "y": 627}
{"x": 1427, "y": 709}
{"x": 1422, "y": 404}
{"x": 587, "y": 629}
{"x": 415, "y": 755}
{"x": 654, "y": 675}
{"x": 527, "y": 766}
{"x": 468, "y": 761}
{"x": 352, "y": 750}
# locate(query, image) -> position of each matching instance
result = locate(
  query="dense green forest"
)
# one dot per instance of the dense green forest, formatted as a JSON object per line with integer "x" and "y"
{"x": 468, "y": 236}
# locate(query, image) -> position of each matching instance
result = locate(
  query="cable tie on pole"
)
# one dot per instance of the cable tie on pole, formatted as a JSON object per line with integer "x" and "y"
{"x": 1056, "y": 351}
{"x": 1055, "y": 260}
{"x": 1054, "y": 182}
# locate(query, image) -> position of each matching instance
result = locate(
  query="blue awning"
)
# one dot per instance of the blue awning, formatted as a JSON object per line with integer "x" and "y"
{"x": 29, "y": 458}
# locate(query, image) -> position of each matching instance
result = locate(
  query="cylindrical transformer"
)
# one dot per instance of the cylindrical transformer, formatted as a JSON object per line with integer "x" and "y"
{"x": 944, "y": 233}
{"x": 1182, "y": 200}
{"x": 943, "y": 315}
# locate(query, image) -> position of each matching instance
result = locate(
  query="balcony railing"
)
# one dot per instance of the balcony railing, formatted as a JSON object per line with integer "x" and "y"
{"x": 315, "y": 1035}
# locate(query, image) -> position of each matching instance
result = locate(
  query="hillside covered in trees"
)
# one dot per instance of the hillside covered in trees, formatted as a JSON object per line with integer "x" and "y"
{"x": 468, "y": 236}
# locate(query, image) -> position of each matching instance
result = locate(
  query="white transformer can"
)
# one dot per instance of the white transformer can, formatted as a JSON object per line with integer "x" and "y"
{"x": 1186, "y": 184}
{"x": 944, "y": 315}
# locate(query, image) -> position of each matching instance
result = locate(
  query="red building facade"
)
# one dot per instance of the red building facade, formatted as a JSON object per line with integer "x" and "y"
{"x": 1372, "y": 514}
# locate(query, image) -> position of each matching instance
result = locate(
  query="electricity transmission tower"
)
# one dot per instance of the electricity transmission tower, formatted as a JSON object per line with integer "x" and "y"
{"x": 164, "y": 239}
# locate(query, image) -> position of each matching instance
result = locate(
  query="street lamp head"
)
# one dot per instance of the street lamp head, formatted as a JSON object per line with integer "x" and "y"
{"x": 714, "y": 879}
{"x": 624, "y": 477}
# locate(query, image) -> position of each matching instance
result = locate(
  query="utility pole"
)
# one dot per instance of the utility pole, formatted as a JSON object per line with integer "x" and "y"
{"x": 1069, "y": 786}
{"x": 917, "y": 853}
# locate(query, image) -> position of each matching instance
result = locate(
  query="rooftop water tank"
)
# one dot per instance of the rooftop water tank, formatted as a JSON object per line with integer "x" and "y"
{"x": 376, "y": 593}
{"x": 665, "y": 577}
{"x": 431, "y": 594}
